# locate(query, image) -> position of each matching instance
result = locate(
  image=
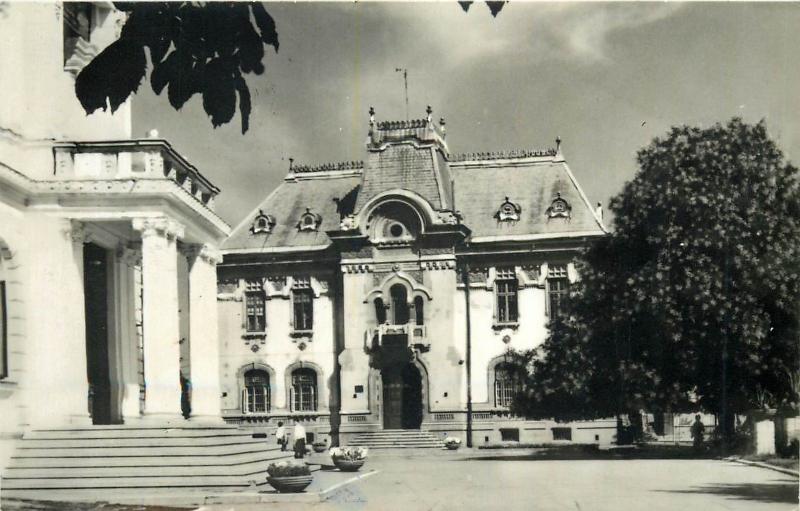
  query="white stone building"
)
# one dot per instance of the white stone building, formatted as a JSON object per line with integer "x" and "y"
{"x": 385, "y": 295}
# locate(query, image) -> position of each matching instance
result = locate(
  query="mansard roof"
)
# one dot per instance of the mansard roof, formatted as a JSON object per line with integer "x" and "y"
{"x": 511, "y": 196}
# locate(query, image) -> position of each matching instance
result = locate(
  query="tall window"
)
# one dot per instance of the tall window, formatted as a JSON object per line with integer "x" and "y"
{"x": 256, "y": 391}
{"x": 303, "y": 303}
{"x": 505, "y": 285}
{"x": 3, "y": 332}
{"x": 254, "y": 304}
{"x": 506, "y": 384}
{"x": 419, "y": 310}
{"x": 399, "y": 304}
{"x": 380, "y": 311}
{"x": 77, "y": 25}
{"x": 304, "y": 390}
{"x": 557, "y": 290}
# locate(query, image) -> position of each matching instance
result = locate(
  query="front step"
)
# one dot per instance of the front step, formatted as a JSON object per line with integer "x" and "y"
{"x": 398, "y": 439}
{"x": 69, "y": 464}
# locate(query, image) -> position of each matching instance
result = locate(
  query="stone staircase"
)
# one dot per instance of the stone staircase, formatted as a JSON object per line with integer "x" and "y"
{"x": 124, "y": 463}
{"x": 398, "y": 439}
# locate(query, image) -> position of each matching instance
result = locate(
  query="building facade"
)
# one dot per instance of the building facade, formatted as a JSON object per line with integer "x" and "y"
{"x": 386, "y": 294}
{"x": 108, "y": 246}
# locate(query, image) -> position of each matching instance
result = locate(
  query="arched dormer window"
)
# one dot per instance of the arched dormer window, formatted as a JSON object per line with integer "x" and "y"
{"x": 400, "y": 313}
{"x": 256, "y": 392}
{"x": 262, "y": 223}
{"x": 309, "y": 221}
{"x": 419, "y": 313}
{"x": 304, "y": 390}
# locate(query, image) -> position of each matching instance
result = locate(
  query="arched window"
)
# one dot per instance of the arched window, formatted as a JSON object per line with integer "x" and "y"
{"x": 304, "y": 390}
{"x": 256, "y": 393}
{"x": 399, "y": 304}
{"x": 380, "y": 311}
{"x": 506, "y": 384}
{"x": 419, "y": 315}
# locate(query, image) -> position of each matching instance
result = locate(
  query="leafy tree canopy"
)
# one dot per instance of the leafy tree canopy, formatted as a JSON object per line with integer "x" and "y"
{"x": 693, "y": 299}
{"x": 194, "y": 48}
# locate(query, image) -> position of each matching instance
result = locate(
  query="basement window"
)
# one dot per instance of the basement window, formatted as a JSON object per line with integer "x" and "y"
{"x": 509, "y": 434}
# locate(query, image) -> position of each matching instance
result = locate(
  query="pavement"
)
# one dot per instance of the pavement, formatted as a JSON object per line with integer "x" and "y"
{"x": 507, "y": 480}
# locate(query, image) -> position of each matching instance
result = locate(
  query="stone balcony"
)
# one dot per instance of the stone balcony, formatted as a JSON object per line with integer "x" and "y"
{"x": 139, "y": 160}
{"x": 416, "y": 335}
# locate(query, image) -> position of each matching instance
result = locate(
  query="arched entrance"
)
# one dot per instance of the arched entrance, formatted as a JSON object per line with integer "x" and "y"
{"x": 402, "y": 397}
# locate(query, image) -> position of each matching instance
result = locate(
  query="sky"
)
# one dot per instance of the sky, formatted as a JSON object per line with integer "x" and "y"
{"x": 607, "y": 78}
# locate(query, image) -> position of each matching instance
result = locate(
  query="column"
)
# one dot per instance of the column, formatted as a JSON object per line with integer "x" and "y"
{"x": 128, "y": 258}
{"x": 203, "y": 333}
{"x": 160, "y": 317}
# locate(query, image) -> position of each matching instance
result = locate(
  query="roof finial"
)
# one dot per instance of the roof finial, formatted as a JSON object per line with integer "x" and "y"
{"x": 558, "y": 144}
{"x": 371, "y": 115}
{"x": 441, "y": 125}
{"x": 429, "y": 111}
{"x": 291, "y": 163}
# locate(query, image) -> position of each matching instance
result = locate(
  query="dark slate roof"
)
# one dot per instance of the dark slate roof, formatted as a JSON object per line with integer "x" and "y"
{"x": 288, "y": 202}
{"x": 482, "y": 182}
{"x": 481, "y": 186}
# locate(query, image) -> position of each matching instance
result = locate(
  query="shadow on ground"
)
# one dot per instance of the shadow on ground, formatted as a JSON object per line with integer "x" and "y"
{"x": 38, "y": 505}
{"x": 783, "y": 492}
{"x": 591, "y": 452}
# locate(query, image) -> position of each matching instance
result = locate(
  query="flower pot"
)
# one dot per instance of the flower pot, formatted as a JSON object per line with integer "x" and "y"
{"x": 452, "y": 447}
{"x": 320, "y": 447}
{"x": 290, "y": 484}
{"x": 348, "y": 465}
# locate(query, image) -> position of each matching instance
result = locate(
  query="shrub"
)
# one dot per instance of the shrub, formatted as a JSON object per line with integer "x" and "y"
{"x": 349, "y": 453}
{"x": 287, "y": 469}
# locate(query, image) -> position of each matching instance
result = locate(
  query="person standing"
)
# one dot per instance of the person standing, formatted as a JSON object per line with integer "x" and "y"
{"x": 299, "y": 440}
{"x": 281, "y": 436}
{"x": 698, "y": 432}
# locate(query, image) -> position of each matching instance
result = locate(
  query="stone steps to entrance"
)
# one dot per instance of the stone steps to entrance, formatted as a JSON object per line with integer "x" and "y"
{"x": 397, "y": 439}
{"x": 71, "y": 464}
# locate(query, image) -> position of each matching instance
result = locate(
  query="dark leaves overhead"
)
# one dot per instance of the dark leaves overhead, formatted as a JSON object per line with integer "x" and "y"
{"x": 194, "y": 48}
{"x": 465, "y": 5}
{"x": 113, "y": 75}
{"x": 495, "y": 7}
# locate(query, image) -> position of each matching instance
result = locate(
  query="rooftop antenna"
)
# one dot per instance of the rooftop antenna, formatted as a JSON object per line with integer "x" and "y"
{"x": 405, "y": 82}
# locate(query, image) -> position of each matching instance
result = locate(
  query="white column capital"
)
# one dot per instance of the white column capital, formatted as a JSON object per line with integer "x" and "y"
{"x": 207, "y": 253}
{"x": 77, "y": 232}
{"x": 129, "y": 254}
{"x": 158, "y": 226}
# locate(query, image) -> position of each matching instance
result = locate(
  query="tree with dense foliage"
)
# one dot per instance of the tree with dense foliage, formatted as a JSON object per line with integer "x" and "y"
{"x": 194, "y": 48}
{"x": 693, "y": 300}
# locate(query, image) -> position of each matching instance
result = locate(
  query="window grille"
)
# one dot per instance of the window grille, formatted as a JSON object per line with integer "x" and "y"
{"x": 255, "y": 307}
{"x": 557, "y": 294}
{"x": 562, "y": 433}
{"x": 304, "y": 390}
{"x": 256, "y": 393}
{"x": 506, "y": 293}
{"x": 557, "y": 271}
{"x": 303, "y": 309}
{"x": 506, "y": 385}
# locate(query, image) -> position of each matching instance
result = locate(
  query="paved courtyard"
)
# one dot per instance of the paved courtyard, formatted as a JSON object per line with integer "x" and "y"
{"x": 466, "y": 482}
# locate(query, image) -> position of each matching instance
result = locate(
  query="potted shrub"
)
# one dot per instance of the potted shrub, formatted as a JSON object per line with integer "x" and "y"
{"x": 320, "y": 446}
{"x": 349, "y": 459}
{"x": 452, "y": 443}
{"x": 289, "y": 477}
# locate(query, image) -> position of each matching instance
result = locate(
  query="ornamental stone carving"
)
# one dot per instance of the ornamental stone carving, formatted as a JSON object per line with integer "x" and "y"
{"x": 162, "y": 226}
{"x": 508, "y": 211}
{"x": 559, "y": 208}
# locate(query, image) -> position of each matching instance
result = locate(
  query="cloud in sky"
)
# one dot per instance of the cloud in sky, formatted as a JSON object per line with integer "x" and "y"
{"x": 606, "y": 77}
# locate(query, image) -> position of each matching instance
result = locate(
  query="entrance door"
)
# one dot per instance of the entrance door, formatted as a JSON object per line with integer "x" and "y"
{"x": 95, "y": 286}
{"x": 402, "y": 397}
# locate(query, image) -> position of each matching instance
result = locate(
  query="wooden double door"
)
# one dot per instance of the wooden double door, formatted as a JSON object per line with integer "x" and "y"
{"x": 402, "y": 397}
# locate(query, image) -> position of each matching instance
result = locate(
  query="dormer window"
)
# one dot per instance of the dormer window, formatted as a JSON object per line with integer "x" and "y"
{"x": 262, "y": 223}
{"x": 508, "y": 212}
{"x": 309, "y": 221}
{"x": 559, "y": 208}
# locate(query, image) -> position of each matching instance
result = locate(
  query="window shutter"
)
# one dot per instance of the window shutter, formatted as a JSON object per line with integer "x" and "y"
{"x": 291, "y": 399}
{"x": 244, "y": 401}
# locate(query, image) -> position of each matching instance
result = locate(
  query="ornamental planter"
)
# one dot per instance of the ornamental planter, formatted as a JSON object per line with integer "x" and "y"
{"x": 453, "y": 446}
{"x": 348, "y": 465}
{"x": 319, "y": 447}
{"x": 290, "y": 484}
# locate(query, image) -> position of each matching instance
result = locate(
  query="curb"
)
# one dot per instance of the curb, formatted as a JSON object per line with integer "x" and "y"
{"x": 764, "y": 465}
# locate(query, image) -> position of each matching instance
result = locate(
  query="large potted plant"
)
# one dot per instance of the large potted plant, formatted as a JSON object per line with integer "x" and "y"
{"x": 349, "y": 459}
{"x": 452, "y": 443}
{"x": 289, "y": 477}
